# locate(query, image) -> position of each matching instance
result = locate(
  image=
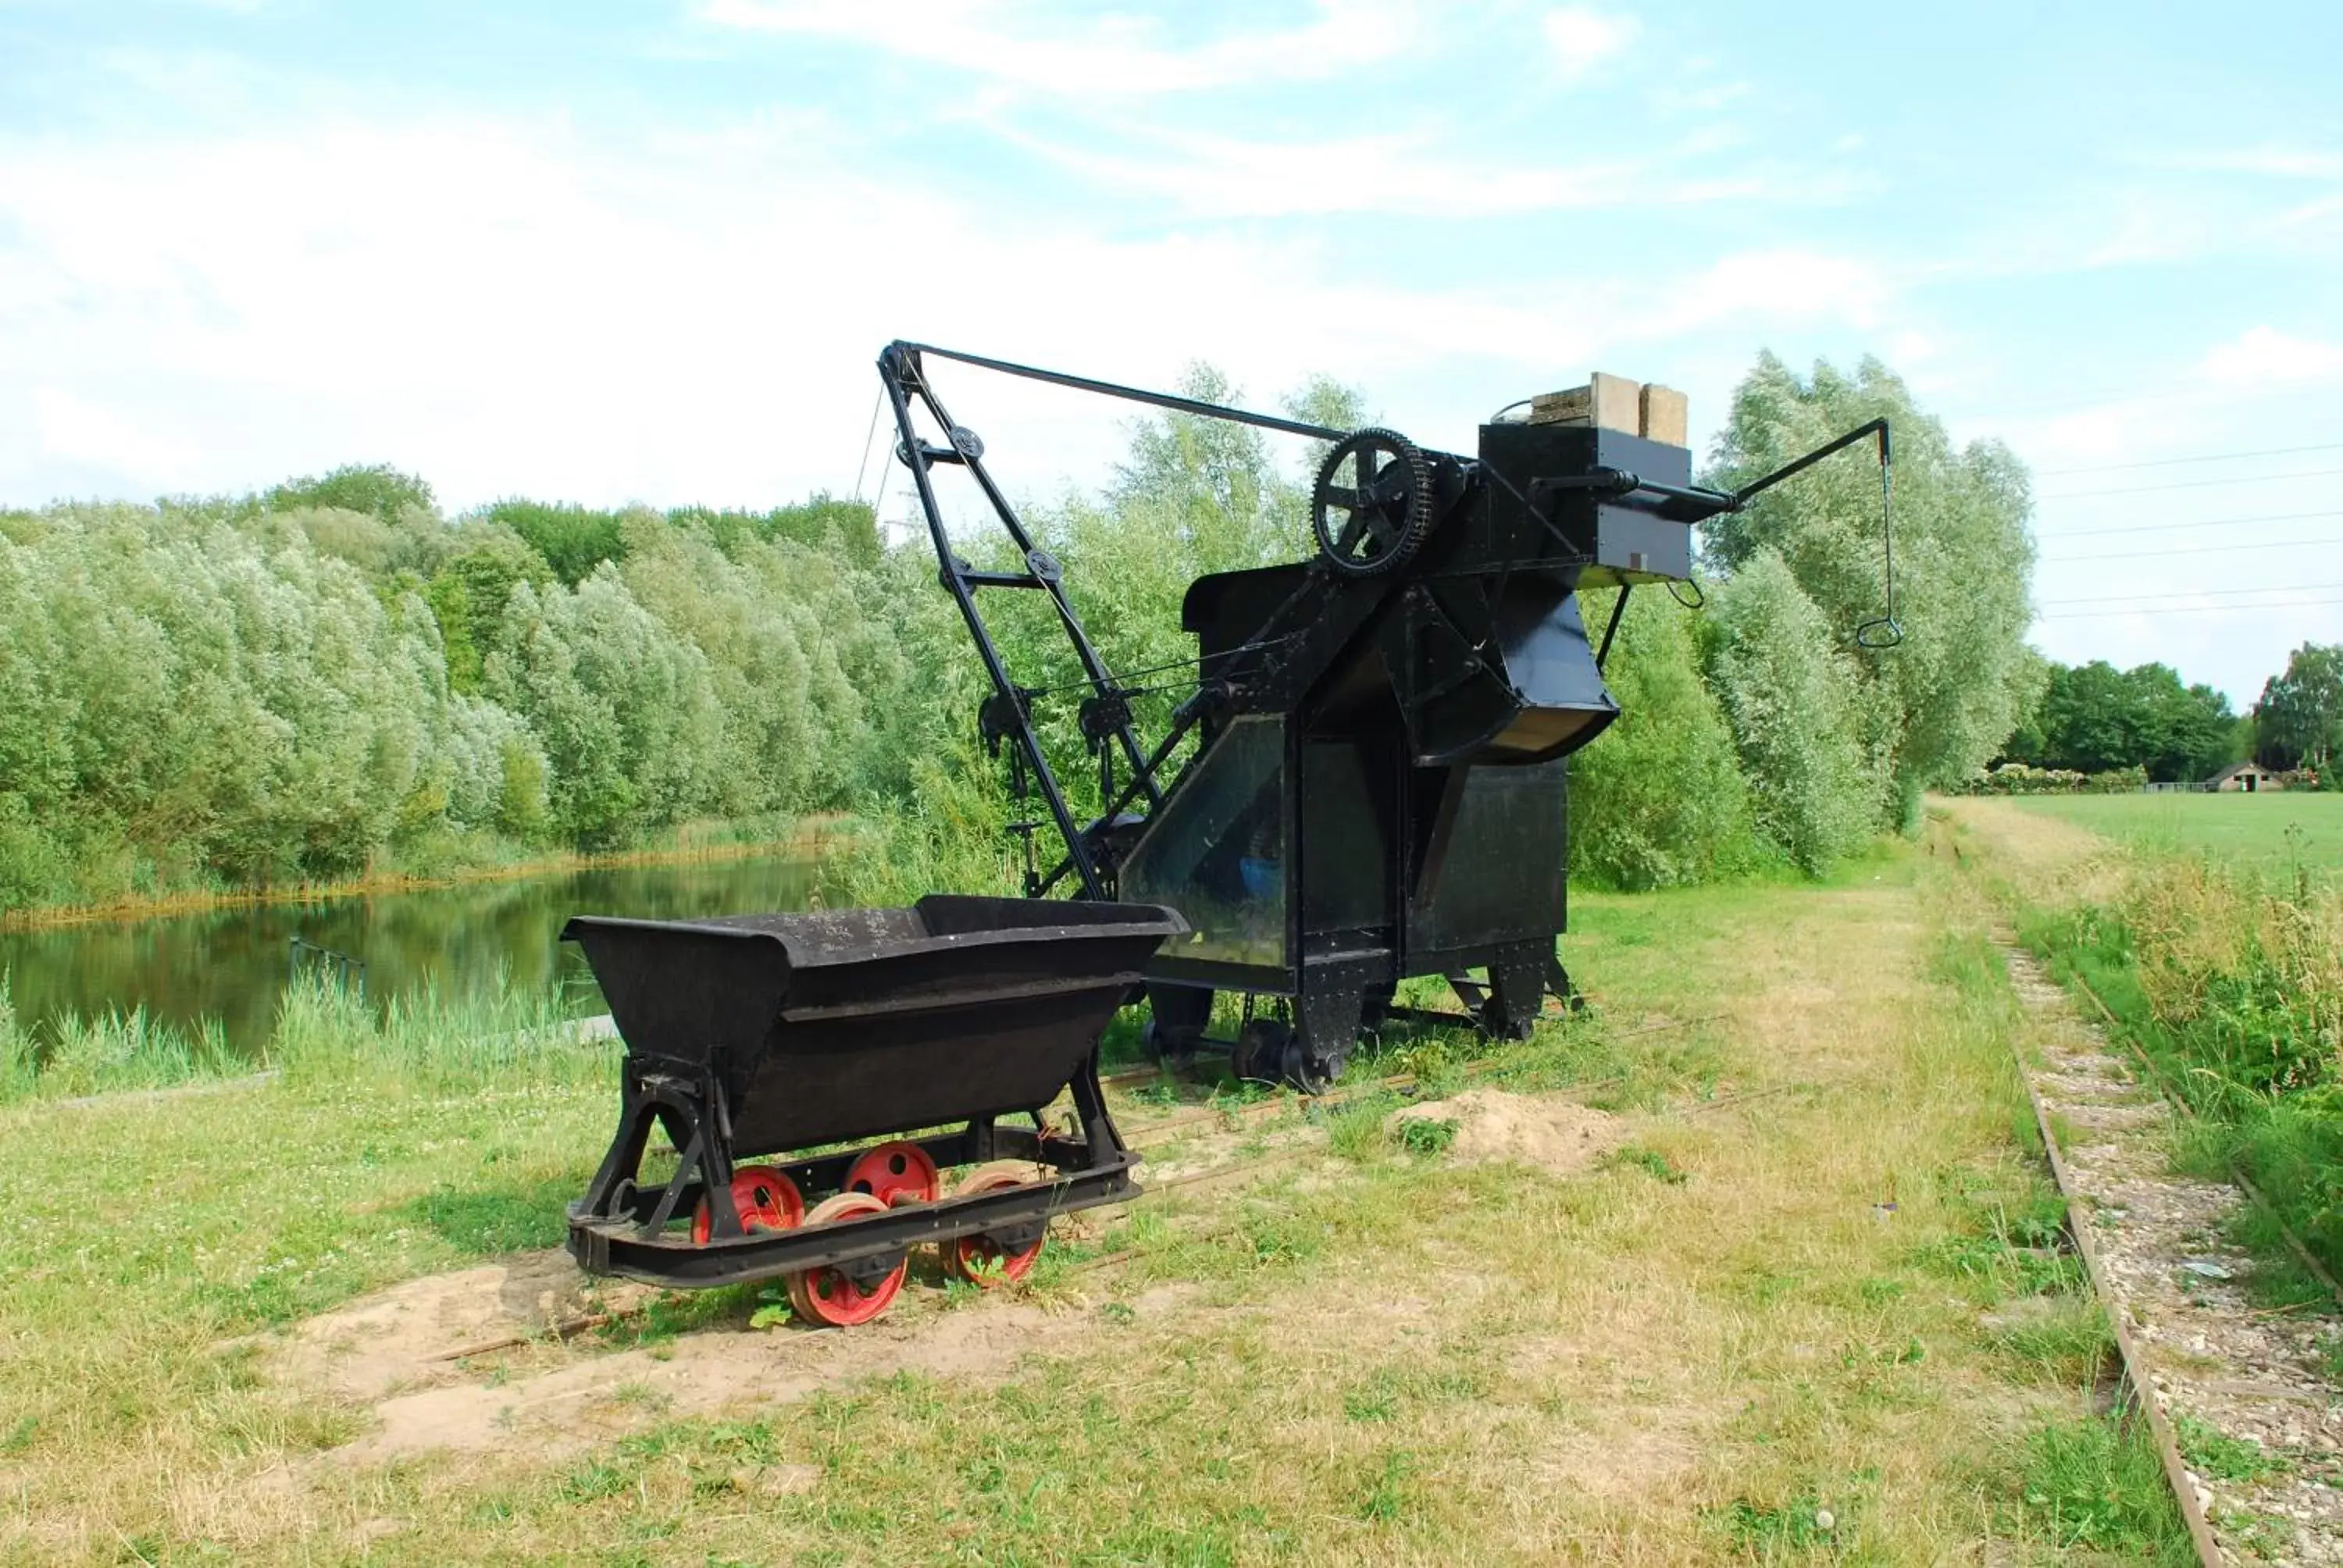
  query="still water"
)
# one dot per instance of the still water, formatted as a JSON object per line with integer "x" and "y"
{"x": 231, "y": 964}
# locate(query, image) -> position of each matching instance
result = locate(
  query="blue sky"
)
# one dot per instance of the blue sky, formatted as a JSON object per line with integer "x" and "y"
{"x": 648, "y": 251}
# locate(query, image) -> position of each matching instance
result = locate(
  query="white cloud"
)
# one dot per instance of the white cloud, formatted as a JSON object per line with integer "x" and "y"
{"x": 2309, "y": 212}
{"x": 1112, "y": 55}
{"x": 1910, "y": 347}
{"x": 505, "y": 307}
{"x": 2282, "y": 161}
{"x": 2148, "y": 229}
{"x": 2263, "y": 356}
{"x": 1583, "y": 37}
{"x": 1404, "y": 175}
{"x": 2236, "y": 394}
{"x": 506, "y": 311}
{"x": 78, "y": 432}
{"x": 1777, "y": 285}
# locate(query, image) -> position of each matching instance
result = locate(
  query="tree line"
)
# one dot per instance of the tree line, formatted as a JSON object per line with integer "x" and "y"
{"x": 2096, "y": 719}
{"x": 296, "y": 686}
{"x": 336, "y": 674}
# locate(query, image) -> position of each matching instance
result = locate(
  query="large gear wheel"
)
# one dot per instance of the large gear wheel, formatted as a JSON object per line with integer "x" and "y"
{"x": 1373, "y": 503}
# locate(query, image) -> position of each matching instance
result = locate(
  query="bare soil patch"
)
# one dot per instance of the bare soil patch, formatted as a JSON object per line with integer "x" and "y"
{"x": 406, "y": 1335}
{"x": 393, "y": 1351}
{"x": 1553, "y": 1135}
{"x": 567, "y": 1409}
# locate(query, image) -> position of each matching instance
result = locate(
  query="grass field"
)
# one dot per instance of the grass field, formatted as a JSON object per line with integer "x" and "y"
{"x": 2273, "y": 832}
{"x": 1807, "y": 1311}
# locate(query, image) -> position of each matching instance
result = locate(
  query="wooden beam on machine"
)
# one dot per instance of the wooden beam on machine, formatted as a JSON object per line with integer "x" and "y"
{"x": 1606, "y": 402}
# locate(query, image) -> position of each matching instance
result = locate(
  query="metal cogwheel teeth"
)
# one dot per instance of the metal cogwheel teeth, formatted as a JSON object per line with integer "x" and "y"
{"x": 1382, "y": 523}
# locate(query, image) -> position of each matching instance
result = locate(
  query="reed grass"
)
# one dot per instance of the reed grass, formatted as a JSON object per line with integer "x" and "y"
{"x": 322, "y": 1032}
{"x": 325, "y": 1032}
{"x": 19, "y": 1069}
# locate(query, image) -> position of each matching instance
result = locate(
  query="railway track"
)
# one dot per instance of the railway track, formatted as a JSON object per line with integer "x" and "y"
{"x": 2192, "y": 1350}
{"x": 2172, "y": 1096}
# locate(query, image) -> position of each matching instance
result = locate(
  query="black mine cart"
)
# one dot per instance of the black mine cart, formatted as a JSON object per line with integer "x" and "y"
{"x": 767, "y": 1037}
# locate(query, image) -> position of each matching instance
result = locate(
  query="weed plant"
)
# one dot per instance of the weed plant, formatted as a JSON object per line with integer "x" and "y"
{"x": 2096, "y": 1485}
{"x": 2231, "y": 984}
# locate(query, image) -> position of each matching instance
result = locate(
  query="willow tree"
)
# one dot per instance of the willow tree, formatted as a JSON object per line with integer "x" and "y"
{"x": 1789, "y": 695}
{"x": 1937, "y": 707}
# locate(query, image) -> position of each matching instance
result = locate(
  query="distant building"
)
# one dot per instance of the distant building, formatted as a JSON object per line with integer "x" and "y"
{"x": 2249, "y": 777}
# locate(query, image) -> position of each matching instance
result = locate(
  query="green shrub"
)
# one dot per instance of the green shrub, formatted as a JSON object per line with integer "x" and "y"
{"x": 1789, "y": 696}
{"x": 19, "y": 1068}
{"x": 1658, "y": 798}
{"x": 2234, "y": 989}
{"x": 377, "y": 491}
{"x": 572, "y": 539}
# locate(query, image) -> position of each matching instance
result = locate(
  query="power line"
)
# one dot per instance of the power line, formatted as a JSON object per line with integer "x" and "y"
{"x": 2205, "y": 550}
{"x": 2175, "y": 462}
{"x": 2195, "y": 593}
{"x": 2204, "y": 523}
{"x": 2186, "y": 610}
{"x": 2195, "y": 484}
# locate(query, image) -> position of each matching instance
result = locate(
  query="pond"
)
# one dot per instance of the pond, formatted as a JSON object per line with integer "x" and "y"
{"x": 230, "y": 964}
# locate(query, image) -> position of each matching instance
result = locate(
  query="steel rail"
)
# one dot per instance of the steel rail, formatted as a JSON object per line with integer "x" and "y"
{"x": 2170, "y": 1094}
{"x": 2135, "y": 1362}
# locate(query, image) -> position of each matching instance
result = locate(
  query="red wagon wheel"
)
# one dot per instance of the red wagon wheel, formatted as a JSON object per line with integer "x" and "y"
{"x": 830, "y": 1295}
{"x": 979, "y": 1259}
{"x": 763, "y": 1198}
{"x": 894, "y": 1172}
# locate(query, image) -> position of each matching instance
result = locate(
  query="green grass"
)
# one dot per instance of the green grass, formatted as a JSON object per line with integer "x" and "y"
{"x": 2273, "y": 833}
{"x": 1650, "y": 1161}
{"x": 2096, "y": 1485}
{"x": 145, "y": 1237}
{"x": 1374, "y": 1365}
{"x": 2215, "y": 1454}
{"x": 2290, "y": 1143}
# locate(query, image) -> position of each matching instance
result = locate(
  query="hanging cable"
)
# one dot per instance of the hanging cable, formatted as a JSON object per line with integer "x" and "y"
{"x": 2196, "y": 484}
{"x": 1886, "y": 631}
{"x": 2177, "y": 462}
{"x": 2188, "y": 609}
{"x": 2205, "y": 550}
{"x": 876, "y": 404}
{"x": 2175, "y": 527}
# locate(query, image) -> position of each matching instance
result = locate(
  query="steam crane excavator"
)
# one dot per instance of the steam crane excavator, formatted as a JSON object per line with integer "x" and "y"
{"x": 1370, "y": 780}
